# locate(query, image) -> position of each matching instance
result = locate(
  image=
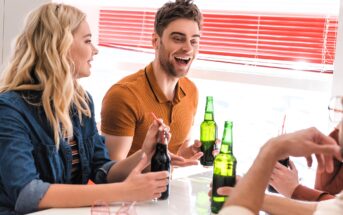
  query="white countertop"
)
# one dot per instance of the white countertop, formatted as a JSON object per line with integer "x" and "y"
{"x": 188, "y": 195}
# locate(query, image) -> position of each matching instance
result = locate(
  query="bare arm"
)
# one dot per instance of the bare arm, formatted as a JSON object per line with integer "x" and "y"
{"x": 136, "y": 187}
{"x": 284, "y": 206}
{"x": 249, "y": 192}
{"x": 62, "y": 195}
{"x": 118, "y": 146}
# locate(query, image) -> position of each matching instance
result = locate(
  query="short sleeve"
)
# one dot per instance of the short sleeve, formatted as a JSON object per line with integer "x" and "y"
{"x": 119, "y": 114}
{"x": 307, "y": 194}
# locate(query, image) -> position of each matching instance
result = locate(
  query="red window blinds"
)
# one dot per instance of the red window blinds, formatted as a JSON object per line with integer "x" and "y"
{"x": 268, "y": 40}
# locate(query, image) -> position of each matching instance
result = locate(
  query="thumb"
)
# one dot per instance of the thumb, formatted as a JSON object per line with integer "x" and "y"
{"x": 143, "y": 163}
{"x": 292, "y": 166}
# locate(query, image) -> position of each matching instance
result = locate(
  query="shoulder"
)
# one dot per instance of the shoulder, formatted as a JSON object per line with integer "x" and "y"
{"x": 12, "y": 100}
{"x": 187, "y": 85}
{"x": 126, "y": 87}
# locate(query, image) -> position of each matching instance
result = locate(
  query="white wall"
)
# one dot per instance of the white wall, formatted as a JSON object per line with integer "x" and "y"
{"x": 337, "y": 83}
{"x": 2, "y": 6}
{"x": 12, "y": 16}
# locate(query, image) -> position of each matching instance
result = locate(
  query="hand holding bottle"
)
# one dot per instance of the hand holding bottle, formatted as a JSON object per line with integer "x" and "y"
{"x": 149, "y": 144}
{"x": 145, "y": 186}
{"x": 284, "y": 179}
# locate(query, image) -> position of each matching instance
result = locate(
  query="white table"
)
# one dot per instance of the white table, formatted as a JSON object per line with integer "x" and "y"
{"x": 188, "y": 195}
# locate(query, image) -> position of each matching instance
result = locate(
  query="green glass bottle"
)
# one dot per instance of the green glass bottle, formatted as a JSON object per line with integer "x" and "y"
{"x": 224, "y": 169}
{"x": 208, "y": 133}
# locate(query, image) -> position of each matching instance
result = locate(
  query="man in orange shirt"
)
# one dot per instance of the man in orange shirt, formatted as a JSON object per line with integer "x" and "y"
{"x": 161, "y": 87}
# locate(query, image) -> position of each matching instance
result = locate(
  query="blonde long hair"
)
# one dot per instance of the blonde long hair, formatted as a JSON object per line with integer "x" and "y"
{"x": 41, "y": 62}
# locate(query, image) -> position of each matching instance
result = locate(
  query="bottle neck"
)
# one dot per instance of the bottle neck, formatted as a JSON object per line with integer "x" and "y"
{"x": 161, "y": 147}
{"x": 227, "y": 141}
{"x": 209, "y": 116}
{"x": 209, "y": 111}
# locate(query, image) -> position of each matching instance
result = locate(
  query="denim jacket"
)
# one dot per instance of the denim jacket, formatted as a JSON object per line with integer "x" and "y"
{"x": 29, "y": 159}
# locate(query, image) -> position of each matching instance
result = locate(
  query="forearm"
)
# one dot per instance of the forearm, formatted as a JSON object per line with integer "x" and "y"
{"x": 284, "y": 206}
{"x": 252, "y": 187}
{"x": 123, "y": 168}
{"x": 62, "y": 195}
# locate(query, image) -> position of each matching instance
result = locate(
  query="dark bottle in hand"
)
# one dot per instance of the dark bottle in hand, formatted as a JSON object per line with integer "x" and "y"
{"x": 160, "y": 161}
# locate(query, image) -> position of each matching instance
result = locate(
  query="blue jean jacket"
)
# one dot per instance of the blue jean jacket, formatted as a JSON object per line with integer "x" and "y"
{"x": 29, "y": 159}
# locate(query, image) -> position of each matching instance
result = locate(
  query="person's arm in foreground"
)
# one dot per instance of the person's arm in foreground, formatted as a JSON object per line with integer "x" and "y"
{"x": 285, "y": 181}
{"x": 278, "y": 205}
{"x": 135, "y": 187}
{"x": 283, "y": 206}
{"x": 249, "y": 192}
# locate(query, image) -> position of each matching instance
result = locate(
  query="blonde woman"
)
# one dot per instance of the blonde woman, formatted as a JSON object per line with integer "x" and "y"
{"x": 49, "y": 143}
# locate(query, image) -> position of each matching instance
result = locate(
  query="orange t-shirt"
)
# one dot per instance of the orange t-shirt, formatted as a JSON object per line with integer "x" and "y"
{"x": 127, "y": 106}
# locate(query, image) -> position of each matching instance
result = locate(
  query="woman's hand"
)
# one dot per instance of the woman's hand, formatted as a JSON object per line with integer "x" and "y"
{"x": 284, "y": 179}
{"x": 145, "y": 186}
{"x": 149, "y": 144}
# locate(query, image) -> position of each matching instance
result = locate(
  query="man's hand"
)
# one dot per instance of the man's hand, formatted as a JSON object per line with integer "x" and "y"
{"x": 193, "y": 151}
{"x": 190, "y": 151}
{"x": 177, "y": 160}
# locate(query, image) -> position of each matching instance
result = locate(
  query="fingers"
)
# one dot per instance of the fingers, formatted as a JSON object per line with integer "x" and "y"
{"x": 279, "y": 166}
{"x": 197, "y": 156}
{"x": 197, "y": 144}
{"x": 176, "y": 158}
{"x": 143, "y": 163}
{"x": 325, "y": 155}
{"x": 291, "y": 165}
{"x": 215, "y": 152}
{"x": 225, "y": 191}
{"x": 186, "y": 162}
{"x": 180, "y": 161}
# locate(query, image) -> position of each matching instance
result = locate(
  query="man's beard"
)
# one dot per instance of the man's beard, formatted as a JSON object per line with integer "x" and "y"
{"x": 166, "y": 64}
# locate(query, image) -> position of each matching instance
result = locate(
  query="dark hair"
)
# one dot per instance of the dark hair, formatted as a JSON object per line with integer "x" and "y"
{"x": 180, "y": 9}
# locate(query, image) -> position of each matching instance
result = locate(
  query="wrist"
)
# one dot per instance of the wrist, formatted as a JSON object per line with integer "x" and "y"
{"x": 273, "y": 148}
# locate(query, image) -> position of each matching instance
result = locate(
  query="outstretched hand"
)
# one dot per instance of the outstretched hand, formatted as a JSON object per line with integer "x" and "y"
{"x": 180, "y": 161}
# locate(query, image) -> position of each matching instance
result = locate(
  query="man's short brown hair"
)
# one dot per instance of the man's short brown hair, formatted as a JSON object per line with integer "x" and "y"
{"x": 180, "y": 9}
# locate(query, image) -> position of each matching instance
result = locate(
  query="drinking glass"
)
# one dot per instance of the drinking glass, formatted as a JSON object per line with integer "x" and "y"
{"x": 336, "y": 109}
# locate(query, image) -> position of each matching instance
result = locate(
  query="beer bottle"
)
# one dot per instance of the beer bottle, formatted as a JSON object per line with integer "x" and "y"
{"x": 224, "y": 169}
{"x": 160, "y": 161}
{"x": 208, "y": 133}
